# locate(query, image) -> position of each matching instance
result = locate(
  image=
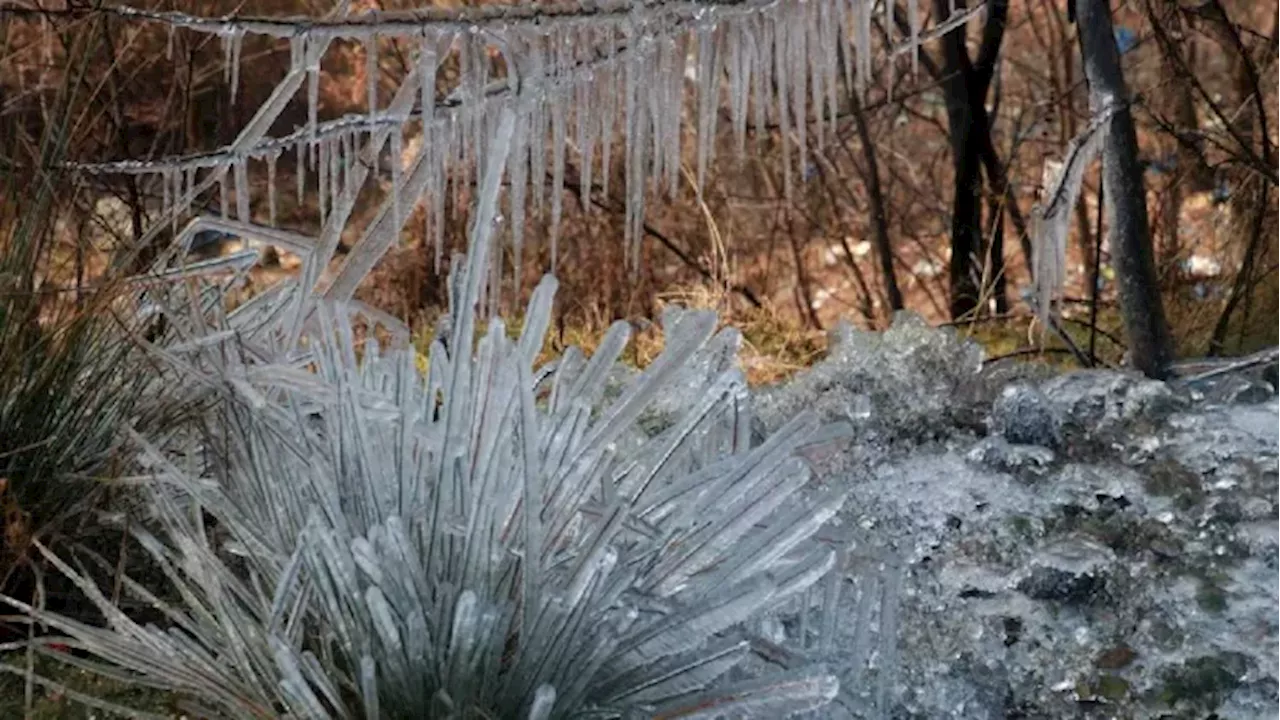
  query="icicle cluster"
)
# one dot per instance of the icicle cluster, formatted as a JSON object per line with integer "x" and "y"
{"x": 488, "y": 539}
{"x": 1052, "y": 215}
{"x": 584, "y": 80}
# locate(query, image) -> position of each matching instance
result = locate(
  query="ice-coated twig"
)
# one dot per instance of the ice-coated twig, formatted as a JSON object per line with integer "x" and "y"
{"x": 1052, "y": 215}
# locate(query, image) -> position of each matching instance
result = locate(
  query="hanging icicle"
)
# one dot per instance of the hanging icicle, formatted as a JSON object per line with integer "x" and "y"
{"x": 322, "y": 176}
{"x": 708, "y": 64}
{"x": 397, "y": 161}
{"x": 575, "y": 85}
{"x": 236, "y": 43}
{"x": 166, "y": 191}
{"x": 272, "y": 158}
{"x": 586, "y": 129}
{"x": 312, "y": 54}
{"x": 371, "y": 76}
{"x": 189, "y": 190}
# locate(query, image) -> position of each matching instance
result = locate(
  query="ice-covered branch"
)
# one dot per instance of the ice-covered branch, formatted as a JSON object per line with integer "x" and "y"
{"x": 499, "y": 19}
{"x": 579, "y": 77}
{"x": 1052, "y": 215}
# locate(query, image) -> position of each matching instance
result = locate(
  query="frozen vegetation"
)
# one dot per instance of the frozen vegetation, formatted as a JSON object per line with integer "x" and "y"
{"x": 900, "y": 531}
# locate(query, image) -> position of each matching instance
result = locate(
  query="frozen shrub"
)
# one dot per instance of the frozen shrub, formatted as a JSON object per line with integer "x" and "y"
{"x": 351, "y": 537}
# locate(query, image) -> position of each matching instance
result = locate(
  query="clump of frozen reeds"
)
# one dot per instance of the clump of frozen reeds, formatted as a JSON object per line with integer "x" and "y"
{"x": 347, "y": 536}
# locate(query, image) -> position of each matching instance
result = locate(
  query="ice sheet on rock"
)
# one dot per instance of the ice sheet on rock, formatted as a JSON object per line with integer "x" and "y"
{"x": 895, "y": 384}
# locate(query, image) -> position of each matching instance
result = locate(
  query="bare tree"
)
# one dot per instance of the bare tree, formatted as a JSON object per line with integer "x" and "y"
{"x": 966, "y": 83}
{"x": 1150, "y": 343}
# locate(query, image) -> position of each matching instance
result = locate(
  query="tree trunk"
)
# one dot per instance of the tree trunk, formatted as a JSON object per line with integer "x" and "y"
{"x": 1150, "y": 344}
{"x": 965, "y": 83}
{"x": 879, "y": 216}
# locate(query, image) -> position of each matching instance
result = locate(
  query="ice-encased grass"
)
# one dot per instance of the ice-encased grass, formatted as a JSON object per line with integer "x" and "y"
{"x": 372, "y": 552}
{"x": 348, "y": 536}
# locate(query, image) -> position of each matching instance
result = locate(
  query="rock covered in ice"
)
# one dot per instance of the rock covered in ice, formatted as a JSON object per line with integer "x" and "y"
{"x": 1109, "y": 549}
{"x": 909, "y": 383}
{"x": 1023, "y": 416}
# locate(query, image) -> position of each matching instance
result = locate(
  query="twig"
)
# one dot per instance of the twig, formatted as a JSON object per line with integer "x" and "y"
{"x": 1259, "y": 358}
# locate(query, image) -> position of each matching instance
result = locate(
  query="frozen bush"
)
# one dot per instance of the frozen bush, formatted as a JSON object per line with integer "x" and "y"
{"x": 373, "y": 554}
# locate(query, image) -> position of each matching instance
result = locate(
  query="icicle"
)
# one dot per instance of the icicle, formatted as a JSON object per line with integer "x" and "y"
{"x": 427, "y": 234}
{"x": 336, "y": 166}
{"x": 582, "y": 111}
{"x": 168, "y": 45}
{"x": 558, "y": 104}
{"x": 322, "y": 176}
{"x": 863, "y": 46}
{"x": 173, "y": 204}
{"x": 272, "y": 158}
{"x": 226, "y": 36}
{"x": 761, "y": 66}
{"x": 464, "y": 122}
{"x": 818, "y": 62}
{"x": 650, "y": 104}
{"x": 708, "y": 99}
{"x": 456, "y": 155}
{"x": 629, "y": 133}
{"x": 349, "y": 157}
{"x": 439, "y": 168}
{"x": 236, "y": 43}
{"x": 301, "y": 178}
{"x": 608, "y": 120}
{"x": 538, "y": 128}
{"x": 673, "y": 163}
{"x": 891, "y": 64}
{"x": 47, "y": 47}
{"x": 371, "y": 74}
{"x": 166, "y": 186}
{"x": 780, "y": 50}
{"x": 427, "y": 76}
{"x": 188, "y": 195}
{"x": 517, "y": 172}
{"x": 635, "y": 146}
{"x": 669, "y": 89}
{"x": 241, "y": 171}
{"x": 483, "y": 130}
{"x": 797, "y": 56}
{"x": 397, "y": 159}
{"x": 312, "y": 53}
{"x": 739, "y": 79}
{"x": 831, "y": 45}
